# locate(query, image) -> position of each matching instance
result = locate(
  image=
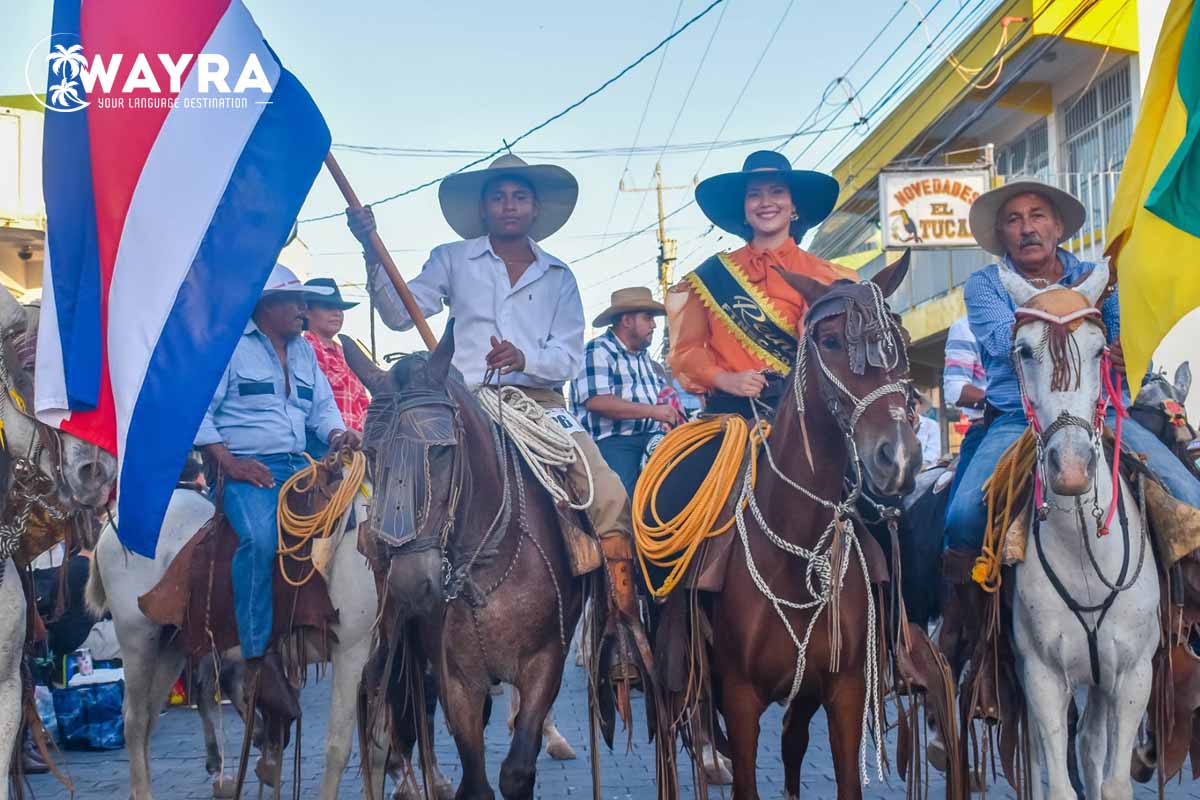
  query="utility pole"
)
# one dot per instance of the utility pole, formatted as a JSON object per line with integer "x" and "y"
{"x": 667, "y": 248}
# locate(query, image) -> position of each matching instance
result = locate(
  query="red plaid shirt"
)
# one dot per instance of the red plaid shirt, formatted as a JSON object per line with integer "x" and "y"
{"x": 348, "y": 392}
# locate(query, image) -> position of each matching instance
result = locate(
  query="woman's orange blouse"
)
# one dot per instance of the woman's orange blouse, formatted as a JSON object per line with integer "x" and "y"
{"x": 702, "y": 348}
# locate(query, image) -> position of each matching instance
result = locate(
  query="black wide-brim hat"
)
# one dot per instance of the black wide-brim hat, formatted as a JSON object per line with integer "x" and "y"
{"x": 321, "y": 296}
{"x": 722, "y": 198}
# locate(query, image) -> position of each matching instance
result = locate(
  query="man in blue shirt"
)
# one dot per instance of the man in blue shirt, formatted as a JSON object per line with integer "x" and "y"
{"x": 1023, "y": 222}
{"x": 271, "y": 395}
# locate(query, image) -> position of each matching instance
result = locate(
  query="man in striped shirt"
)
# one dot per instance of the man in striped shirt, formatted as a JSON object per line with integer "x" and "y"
{"x": 616, "y": 394}
{"x": 964, "y": 384}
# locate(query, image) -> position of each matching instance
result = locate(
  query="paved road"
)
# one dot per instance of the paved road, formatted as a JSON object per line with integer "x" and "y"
{"x": 178, "y": 762}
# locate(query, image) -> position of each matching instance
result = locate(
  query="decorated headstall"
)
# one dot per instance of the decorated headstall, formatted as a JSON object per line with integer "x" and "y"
{"x": 873, "y": 338}
{"x": 412, "y": 436}
{"x": 1063, "y": 311}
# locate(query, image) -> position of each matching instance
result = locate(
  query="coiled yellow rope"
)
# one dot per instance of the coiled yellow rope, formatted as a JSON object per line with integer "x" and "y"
{"x": 303, "y": 528}
{"x": 1007, "y": 489}
{"x": 672, "y": 544}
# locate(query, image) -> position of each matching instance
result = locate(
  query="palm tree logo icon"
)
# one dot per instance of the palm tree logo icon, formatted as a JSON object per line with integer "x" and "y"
{"x": 66, "y": 63}
{"x": 64, "y": 90}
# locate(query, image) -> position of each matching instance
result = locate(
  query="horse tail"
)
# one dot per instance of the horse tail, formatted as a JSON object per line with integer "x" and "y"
{"x": 94, "y": 595}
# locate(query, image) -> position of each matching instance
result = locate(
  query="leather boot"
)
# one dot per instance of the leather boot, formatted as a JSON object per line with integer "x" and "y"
{"x": 961, "y": 608}
{"x": 276, "y": 697}
{"x": 32, "y": 762}
{"x": 622, "y": 593}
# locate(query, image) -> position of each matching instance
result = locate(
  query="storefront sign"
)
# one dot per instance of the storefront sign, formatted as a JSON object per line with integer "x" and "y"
{"x": 929, "y": 208}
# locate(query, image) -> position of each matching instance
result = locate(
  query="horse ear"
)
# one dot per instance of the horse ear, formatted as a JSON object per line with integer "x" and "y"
{"x": 377, "y": 381}
{"x": 443, "y": 354}
{"x": 12, "y": 315}
{"x": 1093, "y": 286}
{"x": 809, "y": 289}
{"x": 1019, "y": 289}
{"x": 890, "y": 277}
{"x": 1183, "y": 380}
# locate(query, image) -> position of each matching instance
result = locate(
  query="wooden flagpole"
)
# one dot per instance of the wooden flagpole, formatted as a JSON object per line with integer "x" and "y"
{"x": 384, "y": 257}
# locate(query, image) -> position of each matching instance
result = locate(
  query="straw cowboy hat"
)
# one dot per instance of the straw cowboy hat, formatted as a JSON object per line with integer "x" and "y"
{"x": 624, "y": 301}
{"x": 986, "y": 208}
{"x": 556, "y": 190}
{"x": 722, "y": 198}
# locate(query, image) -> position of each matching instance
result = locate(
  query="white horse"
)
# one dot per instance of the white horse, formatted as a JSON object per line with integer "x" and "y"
{"x": 152, "y": 663}
{"x": 81, "y": 475}
{"x": 1068, "y": 567}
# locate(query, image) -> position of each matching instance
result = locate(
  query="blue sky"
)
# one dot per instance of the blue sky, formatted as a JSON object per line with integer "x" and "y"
{"x": 458, "y": 74}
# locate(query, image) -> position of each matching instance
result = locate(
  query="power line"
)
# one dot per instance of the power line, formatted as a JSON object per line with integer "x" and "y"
{"x": 641, "y": 122}
{"x": 508, "y": 145}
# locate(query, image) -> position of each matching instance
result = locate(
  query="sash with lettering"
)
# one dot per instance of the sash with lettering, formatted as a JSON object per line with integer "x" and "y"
{"x": 745, "y": 310}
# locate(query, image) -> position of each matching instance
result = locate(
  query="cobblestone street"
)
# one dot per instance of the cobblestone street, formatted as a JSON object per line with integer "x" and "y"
{"x": 178, "y": 762}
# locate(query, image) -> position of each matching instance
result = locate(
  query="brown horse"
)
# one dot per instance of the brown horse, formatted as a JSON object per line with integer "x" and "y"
{"x": 474, "y": 557}
{"x": 795, "y": 622}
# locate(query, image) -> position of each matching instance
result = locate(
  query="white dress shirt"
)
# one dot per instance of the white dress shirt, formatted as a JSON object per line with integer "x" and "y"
{"x": 542, "y": 315}
{"x": 929, "y": 434}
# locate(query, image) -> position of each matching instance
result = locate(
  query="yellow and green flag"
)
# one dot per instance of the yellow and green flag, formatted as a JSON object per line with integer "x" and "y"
{"x": 1154, "y": 230}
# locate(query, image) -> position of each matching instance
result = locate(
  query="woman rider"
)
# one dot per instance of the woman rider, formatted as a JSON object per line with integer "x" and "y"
{"x": 734, "y": 321}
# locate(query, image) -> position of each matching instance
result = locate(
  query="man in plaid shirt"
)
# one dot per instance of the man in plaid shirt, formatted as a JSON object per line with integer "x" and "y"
{"x": 616, "y": 394}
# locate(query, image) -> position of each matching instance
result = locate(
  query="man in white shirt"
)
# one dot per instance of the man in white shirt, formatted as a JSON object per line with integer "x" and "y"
{"x": 516, "y": 308}
{"x": 929, "y": 433}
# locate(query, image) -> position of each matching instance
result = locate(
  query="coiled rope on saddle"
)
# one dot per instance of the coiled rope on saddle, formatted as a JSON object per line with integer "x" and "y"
{"x": 297, "y": 530}
{"x": 546, "y": 447}
{"x": 1006, "y": 492}
{"x": 672, "y": 544}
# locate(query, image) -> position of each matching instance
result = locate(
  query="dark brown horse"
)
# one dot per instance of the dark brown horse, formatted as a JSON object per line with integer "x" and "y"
{"x": 795, "y": 622}
{"x": 474, "y": 556}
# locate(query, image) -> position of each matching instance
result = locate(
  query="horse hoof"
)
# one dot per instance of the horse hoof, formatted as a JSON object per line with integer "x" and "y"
{"x": 935, "y": 754}
{"x": 222, "y": 789}
{"x": 443, "y": 789}
{"x": 1142, "y": 765}
{"x": 716, "y": 767}
{"x": 265, "y": 770}
{"x": 560, "y": 749}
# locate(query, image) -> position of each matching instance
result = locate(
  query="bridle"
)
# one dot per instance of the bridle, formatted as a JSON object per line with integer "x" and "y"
{"x": 31, "y": 490}
{"x": 1067, "y": 366}
{"x": 875, "y": 338}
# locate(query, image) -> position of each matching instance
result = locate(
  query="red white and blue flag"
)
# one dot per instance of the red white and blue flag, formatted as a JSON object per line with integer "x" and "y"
{"x": 166, "y": 208}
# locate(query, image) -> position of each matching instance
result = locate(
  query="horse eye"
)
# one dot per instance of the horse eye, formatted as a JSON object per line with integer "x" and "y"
{"x": 831, "y": 342}
{"x": 1024, "y": 351}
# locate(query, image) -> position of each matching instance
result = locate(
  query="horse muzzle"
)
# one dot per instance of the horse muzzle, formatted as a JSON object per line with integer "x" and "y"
{"x": 892, "y": 463}
{"x": 414, "y": 580}
{"x": 1070, "y": 466}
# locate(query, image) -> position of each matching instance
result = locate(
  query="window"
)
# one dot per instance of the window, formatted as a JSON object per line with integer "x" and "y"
{"x": 1028, "y": 155}
{"x": 1098, "y": 124}
{"x": 1097, "y": 128}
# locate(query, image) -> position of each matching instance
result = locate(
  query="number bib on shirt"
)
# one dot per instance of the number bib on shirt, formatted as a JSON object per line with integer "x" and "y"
{"x": 566, "y": 419}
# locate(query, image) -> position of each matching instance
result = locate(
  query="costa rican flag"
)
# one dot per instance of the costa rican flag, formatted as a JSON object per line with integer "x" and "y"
{"x": 166, "y": 208}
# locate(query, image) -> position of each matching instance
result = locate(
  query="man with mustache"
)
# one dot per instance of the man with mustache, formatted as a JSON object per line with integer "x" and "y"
{"x": 270, "y": 397}
{"x": 1023, "y": 223}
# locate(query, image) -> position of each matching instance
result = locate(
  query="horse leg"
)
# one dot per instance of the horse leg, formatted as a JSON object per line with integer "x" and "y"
{"x": 463, "y": 701}
{"x": 205, "y": 684}
{"x": 1091, "y": 736}
{"x": 347, "y": 663}
{"x": 742, "y": 705}
{"x": 140, "y": 650}
{"x": 795, "y": 743}
{"x": 12, "y": 642}
{"x": 538, "y": 682}
{"x": 1125, "y": 702}
{"x": 844, "y": 702}
{"x": 1047, "y": 697}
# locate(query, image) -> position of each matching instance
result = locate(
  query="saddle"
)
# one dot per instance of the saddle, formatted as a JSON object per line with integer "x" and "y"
{"x": 195, "y": 596}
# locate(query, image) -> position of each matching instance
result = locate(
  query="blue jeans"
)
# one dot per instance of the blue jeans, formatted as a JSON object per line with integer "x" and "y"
{"x": 252, "y": 513}
{"x": 966, "y": 518}
{"x": 624, "y": 455}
